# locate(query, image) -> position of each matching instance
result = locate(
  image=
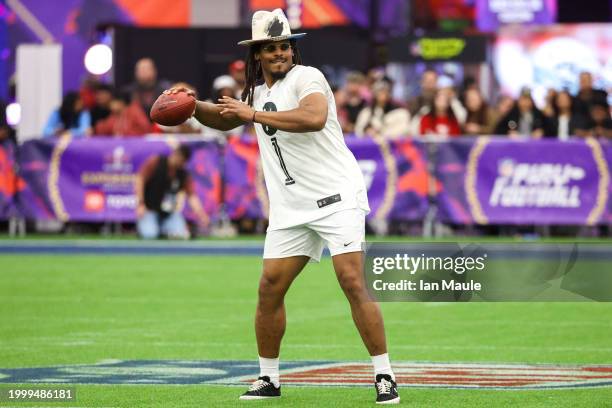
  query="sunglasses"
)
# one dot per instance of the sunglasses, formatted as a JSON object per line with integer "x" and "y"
{"x": 272, "y": 47}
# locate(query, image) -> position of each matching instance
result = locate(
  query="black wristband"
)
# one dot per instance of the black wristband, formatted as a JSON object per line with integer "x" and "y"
{"x": 253, "y": 120}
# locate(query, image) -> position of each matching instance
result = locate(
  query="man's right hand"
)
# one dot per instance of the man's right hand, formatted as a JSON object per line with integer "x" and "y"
{"x": 178, "y": 89}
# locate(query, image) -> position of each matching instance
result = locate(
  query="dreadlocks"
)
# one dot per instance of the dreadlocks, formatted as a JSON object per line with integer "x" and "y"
{"x": 253, "y": 73}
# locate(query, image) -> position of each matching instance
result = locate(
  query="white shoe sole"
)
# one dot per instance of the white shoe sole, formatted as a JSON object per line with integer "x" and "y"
{"x": 255, "y": 397}
{"x": 393, "y": 401}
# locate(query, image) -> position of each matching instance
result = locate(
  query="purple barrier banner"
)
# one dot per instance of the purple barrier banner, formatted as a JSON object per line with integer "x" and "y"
{"x": 607, "y": 146}
{"x": 395, "y": 174}
{"x": 93, "y": 179}
{"x": 500, "y": 181}
{"x": 477, "y": 181}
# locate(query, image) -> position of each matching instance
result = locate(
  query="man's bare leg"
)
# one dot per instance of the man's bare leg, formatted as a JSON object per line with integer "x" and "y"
{"x": 366, "y": 313}
{"x": 369, "y": 322}
{"x": 270, "y": 321}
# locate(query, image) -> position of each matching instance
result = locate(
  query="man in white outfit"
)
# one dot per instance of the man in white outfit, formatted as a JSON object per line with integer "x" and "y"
{"x": 316, "y": 191}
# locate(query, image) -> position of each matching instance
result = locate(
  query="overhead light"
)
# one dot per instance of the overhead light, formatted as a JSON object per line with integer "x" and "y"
{"x": 13, "y": 113}
{"x": 99, "y": 59}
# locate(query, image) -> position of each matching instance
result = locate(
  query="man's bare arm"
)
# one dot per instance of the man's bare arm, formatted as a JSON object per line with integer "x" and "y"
{"x": 309, "y": 116}
{"x": 209, "y": 115}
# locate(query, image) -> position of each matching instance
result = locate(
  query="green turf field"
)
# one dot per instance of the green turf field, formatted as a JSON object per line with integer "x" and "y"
{"x": 61, "y": 309}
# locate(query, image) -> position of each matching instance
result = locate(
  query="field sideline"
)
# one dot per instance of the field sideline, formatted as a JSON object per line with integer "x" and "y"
{"x": 83, "y": 309}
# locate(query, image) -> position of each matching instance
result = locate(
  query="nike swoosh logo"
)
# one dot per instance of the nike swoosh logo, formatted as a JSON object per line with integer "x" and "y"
{"x": 347, "y": 244}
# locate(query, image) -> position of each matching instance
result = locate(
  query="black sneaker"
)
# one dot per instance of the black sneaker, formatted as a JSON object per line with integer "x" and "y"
{"x": 386, "y": 390}
{"x": 261, "y": 389}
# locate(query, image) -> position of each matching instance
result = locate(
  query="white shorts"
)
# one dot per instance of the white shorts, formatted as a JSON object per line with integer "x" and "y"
{"x": 342, "y": 232}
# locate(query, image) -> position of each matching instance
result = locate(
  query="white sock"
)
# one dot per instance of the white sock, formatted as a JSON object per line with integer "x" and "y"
{"x": 382, "y": 365}
{"x": 269, "y": 367}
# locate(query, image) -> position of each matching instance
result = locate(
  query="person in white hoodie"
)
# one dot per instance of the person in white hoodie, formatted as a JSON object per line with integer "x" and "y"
{"x": 383, "y": 118}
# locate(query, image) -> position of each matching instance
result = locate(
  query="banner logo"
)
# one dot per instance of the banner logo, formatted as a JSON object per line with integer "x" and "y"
{"x": 118, "y": 161}
{"x": 536, "y": 185}
{"x": 94, "y": 201}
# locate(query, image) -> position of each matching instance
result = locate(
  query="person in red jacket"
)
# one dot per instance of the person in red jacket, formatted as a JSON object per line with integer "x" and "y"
{"x": 440, "y": 119}
{"x": 126, "y": 119}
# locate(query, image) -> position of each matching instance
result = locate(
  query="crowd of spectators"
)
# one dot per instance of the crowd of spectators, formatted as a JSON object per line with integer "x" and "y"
{"x": 365, "y": 108}
{"x": 101, "y": 110}
{"x": 443, "y": 110}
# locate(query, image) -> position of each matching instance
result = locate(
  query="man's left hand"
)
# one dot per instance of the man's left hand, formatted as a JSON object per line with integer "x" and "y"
{"x": 233, "y": 108}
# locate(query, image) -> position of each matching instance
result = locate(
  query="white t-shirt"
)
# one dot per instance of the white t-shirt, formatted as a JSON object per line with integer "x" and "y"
{"x": 308, "y": 175}
{"x": 563, "y": 129}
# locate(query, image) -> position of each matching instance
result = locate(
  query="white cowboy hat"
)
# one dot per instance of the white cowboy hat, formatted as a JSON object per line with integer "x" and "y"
{"x": 270, "y": 26}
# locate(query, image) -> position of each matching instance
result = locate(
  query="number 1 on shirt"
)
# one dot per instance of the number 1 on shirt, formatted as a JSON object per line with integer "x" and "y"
{"x": 289, "y": 180}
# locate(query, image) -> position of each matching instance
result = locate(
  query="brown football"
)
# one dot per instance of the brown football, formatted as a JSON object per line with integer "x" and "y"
{"x": 173, "y": 109}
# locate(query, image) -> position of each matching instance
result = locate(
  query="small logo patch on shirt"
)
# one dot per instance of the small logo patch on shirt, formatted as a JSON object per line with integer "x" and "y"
{"x": 329, "y": 200}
